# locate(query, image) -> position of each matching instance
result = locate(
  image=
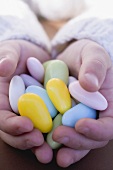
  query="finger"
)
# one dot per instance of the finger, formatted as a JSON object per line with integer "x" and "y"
{"x": 43, "y": 153}
{"x": 72, "y": 57}
{"x": 70, "y": 138}
{"x": 18, "y": 49}
{"x": 100, "y": 129}
{"x": 13, "y": 124}
{"x": 25, "y": 141}
{"x": 11, "y": 51}
{"x": 30, "y": 50}
{"x": 88, "y": 62}
{"x": 95, "y": 64}
{"x": 68, "y": 156}
{"x": 9, "y": 56}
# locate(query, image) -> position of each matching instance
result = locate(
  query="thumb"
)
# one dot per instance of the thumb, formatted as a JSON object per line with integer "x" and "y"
{"x": 88, "y": 62}
{"x": 9, "y": 56}
{"x": 93, "y": 70}
{"x": 14, "y": 53}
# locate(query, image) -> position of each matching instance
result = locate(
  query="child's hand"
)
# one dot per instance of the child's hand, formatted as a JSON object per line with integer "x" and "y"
{"x": 15, "y": 130}
{"x": 91, "y": 64}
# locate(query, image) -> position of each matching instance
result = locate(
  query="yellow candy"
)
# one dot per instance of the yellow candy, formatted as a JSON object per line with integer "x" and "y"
{"x": 59, "y": 94}
{"x": 33, "y": 107}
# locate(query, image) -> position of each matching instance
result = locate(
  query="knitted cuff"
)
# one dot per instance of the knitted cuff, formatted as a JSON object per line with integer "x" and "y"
{"x": 98, "y": 30}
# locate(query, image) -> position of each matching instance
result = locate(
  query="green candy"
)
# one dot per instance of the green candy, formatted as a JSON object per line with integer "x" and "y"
{"x": 56, "y": 69}
{"x": 45, "y": 64}
{"x": 56, "y": 122}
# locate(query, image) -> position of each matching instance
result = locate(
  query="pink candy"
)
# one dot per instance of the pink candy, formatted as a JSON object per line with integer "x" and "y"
{"x": 94, "y": 100}
{"x": 36, "y": 69}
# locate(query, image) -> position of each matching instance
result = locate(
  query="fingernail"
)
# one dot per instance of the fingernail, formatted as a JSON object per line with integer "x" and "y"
{"x": 63, "y": 140}
{"x": 91, "y": 78}
{"x": 2, "y": 60}
{"x": 68, "y": 161}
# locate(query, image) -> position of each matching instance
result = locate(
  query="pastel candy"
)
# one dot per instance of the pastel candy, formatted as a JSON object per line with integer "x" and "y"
{"x": 71, "y": 79}
{"x": 35, "y": 68}
{"x": 28, "y": 80}
{"x": 43, "y": 94}
{"x": 73, "y": 102}
{"x": 33, "y": 107}
{"x": 76, "y": 113}
{"x": 94, "y": 100}
{"x": 56, "y": 122}
{"x": 16, "y": 89}
{"x": 56, "y": 69}
{"x": 59, "y": 94}
{"x": 45, "y": 64}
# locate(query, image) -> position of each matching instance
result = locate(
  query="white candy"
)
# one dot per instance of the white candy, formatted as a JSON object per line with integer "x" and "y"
{"x": 16, "y": 89}
{"x": 94, "y": 100}
{"x": 35, "y": 68}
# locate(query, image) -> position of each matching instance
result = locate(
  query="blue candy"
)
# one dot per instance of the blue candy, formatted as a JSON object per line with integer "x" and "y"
{"x": 43, "y": 94}
{"x": 76, "y": 113}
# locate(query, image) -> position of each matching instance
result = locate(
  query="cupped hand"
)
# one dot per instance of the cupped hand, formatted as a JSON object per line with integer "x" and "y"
{"x": 18, "y": 131}
{"x": 91, "y": 64}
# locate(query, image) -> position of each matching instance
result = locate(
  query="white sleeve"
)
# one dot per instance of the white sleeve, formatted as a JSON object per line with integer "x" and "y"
{"x": 17, "y": 21}
{"x": 95, "y": 24}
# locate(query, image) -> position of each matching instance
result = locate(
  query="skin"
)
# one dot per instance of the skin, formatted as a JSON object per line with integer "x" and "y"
{"x": 91, "y": 64}
{"x": 18, "y": 131}
{"x": 87, "y": 61}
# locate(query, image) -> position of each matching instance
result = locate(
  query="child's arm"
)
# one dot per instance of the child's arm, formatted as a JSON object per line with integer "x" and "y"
{"x": 21, "y": 37}
{"x": 89, "y": 55}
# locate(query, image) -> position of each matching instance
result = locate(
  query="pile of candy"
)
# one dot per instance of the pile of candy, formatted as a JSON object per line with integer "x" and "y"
{"x": 50, "y": 97}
